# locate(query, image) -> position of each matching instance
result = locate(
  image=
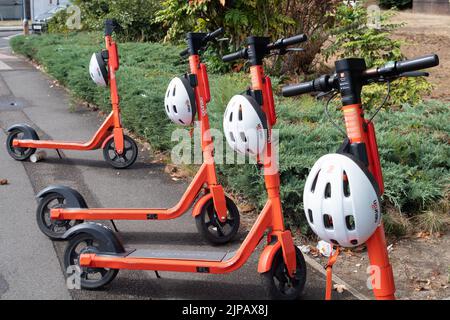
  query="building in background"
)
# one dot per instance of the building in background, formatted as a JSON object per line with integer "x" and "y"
{"x": 11, "y": 9}
{"x": 19, "y": 9}
{"x": 38, "y": 7}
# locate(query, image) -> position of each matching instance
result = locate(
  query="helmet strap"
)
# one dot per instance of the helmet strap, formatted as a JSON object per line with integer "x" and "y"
{"x": 329, "y": 267}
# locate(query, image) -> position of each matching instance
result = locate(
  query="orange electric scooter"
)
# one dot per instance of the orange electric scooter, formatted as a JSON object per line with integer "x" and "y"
{"x": 119, "y": 150}
{"x": 217, "y": 216}
{"x": 100, "y": 254}
{"x": 350, "y": 77}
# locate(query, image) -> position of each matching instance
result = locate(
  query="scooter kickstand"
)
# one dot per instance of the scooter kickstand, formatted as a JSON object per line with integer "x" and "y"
{"x": 59, "y": 154}
{"x": 157, "y": 274}
{"x": 114, "y": 226}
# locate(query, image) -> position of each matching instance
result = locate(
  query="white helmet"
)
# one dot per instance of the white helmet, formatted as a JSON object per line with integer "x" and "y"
{"x": 98, "y": 70}
{"x": 341, "y": 201}
{"x": 245, "y": 125}
{"x": 180, "y": 101}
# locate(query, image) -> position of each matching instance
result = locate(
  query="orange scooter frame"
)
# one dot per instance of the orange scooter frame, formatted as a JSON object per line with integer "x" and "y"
{"x": 360, "y": 130}
{"x": 280, "y": 258}
{"x": 226, "y": 212}
{"x": 349, "y": 79}
{"x": 109, "y": 137}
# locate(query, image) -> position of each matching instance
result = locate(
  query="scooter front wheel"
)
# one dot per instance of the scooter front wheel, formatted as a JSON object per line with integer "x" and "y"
{"x": 54, "y": 229}
{"x": 278, "y": 284}
{"x": 215, "y": 231}
{"x": 89, "y": 278}
{"x": 18, "y": 153}
{"x": 124, "y": 160}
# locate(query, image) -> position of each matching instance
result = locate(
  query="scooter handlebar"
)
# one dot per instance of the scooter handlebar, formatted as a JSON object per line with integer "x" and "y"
{"x": 213, "y": 35}
{"x": 286, "y": 42}
{"x": 297, "y": 89}
{"x": 241, "y": 54}
{"x": 399, "y": 67}
{"x": 324, "y": 83}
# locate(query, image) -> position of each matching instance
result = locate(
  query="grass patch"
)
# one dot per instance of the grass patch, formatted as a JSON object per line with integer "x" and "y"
{"x": 414, "y": 142}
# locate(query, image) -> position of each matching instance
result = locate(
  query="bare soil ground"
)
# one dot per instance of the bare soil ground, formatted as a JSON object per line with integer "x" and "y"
{"x": 421, "y": 262}
{"x": 424, "y": 34}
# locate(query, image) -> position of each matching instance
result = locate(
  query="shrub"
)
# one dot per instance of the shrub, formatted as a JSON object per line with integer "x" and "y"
{"x": 353, "y": 37}
{"x": 240, "y": 18}
{"x": 136, "y": 18}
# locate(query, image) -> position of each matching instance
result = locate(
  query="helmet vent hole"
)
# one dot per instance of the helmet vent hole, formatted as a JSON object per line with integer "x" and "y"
{"x": 354, "y": 242}
{"x": 168, "y": 93}
{"x": 240, "y": 113}
{"x": 346, "y": 185}
{"x": 350, "y": 222}
{"x": 174, "y": 91}
{"x": 243, "y": 137}
{"x": 313, "y": 187}
{"x": 175, "y": 109}
{"x": 231, "y": 116}
{"x": 310, "y": 216}
{"x": 181, "y": 121}
{"x": 232, "y": 137}
{"x": 167, "y": 107}
{"x": 334, "y": 242}
{"x": 328, "y": 222}
{"x": 328, "y": 191}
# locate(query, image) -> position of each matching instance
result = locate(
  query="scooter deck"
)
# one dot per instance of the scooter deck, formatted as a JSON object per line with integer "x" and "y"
{"x": 180, "y": 255}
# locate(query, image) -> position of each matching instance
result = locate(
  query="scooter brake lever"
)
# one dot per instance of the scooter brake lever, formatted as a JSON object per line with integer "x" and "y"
{"x": 414, "y": 74}
{"x": 324, "y": 94}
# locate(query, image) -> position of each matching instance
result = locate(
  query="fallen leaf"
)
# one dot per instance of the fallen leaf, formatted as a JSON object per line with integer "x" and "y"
{"x": 3, "y": 182}
{"x": 423, "y": 235}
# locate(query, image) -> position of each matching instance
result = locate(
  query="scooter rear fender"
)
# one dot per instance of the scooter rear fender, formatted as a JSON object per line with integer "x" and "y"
{"x": 73, "y": 198}
{"x": 108, "y": 240}
{"x": 29, "y": 132}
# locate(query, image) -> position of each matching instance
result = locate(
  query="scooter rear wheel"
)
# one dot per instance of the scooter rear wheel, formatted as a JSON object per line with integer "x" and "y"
{"x": 277, "y": 282}
{"x": 19, "y": 154}
{"x": 215, "y": 231}
{"x": 124, "y": 160}
{"x": 54, "y": 229}
{"x": 90, "y": 278}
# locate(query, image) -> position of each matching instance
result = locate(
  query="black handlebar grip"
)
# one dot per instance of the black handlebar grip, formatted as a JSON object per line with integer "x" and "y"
{"x": 424, "y": 62}
{"x": 241, "y": 54}
{"x": 294, "y": 40}
{"x": 215, "y": 34}
{"x": 298, "y": 89}
{"x": 184, "y": 53}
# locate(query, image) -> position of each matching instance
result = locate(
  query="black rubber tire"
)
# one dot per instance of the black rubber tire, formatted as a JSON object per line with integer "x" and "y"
{"x": 272, "y": 290}
{"x": 208, "y": 218}
{"x": 25, "y": 153}
{"x": 71, "y": 257}
{"x": 125, "y": 160}
{"x": 43, "y": 214}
